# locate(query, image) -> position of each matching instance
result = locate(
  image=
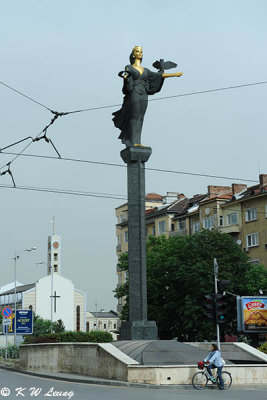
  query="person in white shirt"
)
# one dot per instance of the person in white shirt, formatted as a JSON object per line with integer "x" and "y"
{"x": 214, "y": 360}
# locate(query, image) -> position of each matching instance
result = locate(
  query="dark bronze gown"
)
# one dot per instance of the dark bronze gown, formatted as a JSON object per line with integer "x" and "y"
{"x": 129, "y": 119}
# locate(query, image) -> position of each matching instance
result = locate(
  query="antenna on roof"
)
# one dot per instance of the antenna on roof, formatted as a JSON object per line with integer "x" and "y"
{"x": 259, "y": 167}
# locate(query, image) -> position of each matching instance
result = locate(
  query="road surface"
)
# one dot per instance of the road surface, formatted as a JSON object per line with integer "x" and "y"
{"x": 15, "y": 385}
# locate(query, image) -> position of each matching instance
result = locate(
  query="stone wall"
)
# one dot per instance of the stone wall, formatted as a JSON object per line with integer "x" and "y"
{"x": 103, "y": 360}
{"x": 182, "y": 375}
{"x": 97, "y": 360}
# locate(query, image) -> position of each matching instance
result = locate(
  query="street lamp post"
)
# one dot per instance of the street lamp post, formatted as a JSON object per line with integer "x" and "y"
{"x": 52, "y": 288}
{"x": 15, "y": 258}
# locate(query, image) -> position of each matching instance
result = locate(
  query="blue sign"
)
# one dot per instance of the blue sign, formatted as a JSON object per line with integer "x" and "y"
{"x": 24, "y": 322}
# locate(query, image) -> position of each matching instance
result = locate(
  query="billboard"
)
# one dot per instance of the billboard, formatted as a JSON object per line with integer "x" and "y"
{"x": 24, "y": 322}
{"x": 253, "y": 314}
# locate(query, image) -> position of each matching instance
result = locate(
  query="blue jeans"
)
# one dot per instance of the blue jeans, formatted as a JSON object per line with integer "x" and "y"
{"x": 219, "y": 370}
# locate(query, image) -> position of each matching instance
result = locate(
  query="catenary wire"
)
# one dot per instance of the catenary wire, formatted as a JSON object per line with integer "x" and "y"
{"x": 25, "y": 95}
{"x": 124, "y": 166}
{"x": 33, "y": 139}
{"x": 90, "y": 194}
{"x": 243, "y": 85}
{"x": 176, "y": 96}
{"x": 57, "y": 114}
{"x": 67, "y": 192}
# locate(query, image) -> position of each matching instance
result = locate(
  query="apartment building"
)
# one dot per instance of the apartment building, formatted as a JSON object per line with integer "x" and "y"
{"x": 237, "y": 210}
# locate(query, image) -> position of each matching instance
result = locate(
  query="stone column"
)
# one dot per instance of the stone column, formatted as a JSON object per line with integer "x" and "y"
{"x": 138, "y": 327}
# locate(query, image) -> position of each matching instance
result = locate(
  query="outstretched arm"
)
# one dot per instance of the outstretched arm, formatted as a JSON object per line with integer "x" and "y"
{"x": 175, "y": 74}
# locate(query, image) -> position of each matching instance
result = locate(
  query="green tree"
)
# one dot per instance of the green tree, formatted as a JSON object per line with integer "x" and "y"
{"x": 180, "y": 273}
{"x": 41, "y": 326}
{"x": 58, "y": 326}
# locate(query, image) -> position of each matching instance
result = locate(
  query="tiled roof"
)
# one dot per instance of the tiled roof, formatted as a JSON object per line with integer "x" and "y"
{"x": 154, "y": 197}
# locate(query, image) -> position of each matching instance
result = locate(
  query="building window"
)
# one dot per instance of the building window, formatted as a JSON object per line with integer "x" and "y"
{"x": 221, "y": 220}
{"x": 181, "y": 224}
{"x": 78, "y": 318}
{"x": 55, "y": 256}
{"x": 196, "y": 227}
{"x": 208, "y": 223}
{"x": 154, "y": 230}
{"x": 232, "y": 219}
{"x": 55, "y": 268}
{"x": 255, "y": 261}
{"x": 126, "y": 236}
{"x": 87, "y": 326}
{"x": 251, "y": 214}
{"x": 253, "y": 239}
{"x": 115, "y": 326}
{"x": 172, "y": 227}
{"x": 162, "y": 227}
{"x": 105, "y": 326}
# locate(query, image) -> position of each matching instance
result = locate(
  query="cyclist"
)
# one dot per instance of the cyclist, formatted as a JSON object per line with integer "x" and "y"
{"x": 214, "y": 360}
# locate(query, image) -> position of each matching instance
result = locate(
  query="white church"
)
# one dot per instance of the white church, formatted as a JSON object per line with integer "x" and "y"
{"x": 52, "y": 297}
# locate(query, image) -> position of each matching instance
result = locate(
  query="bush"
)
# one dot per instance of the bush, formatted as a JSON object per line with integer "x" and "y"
{"x": 12, "y": 352}
{"x": 263, "y": 348}
{"x": 91, "y": 337}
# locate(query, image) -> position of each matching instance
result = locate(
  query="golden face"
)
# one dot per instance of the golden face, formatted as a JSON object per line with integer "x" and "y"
{"x": 138, "y": 52}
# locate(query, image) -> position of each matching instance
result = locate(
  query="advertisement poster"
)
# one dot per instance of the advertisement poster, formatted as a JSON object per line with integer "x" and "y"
{"x": 24, "y": 322}
{"x": 254, "y": 314}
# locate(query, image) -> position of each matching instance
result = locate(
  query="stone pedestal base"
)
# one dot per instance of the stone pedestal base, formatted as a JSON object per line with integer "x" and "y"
{"x": 139, "y": 330}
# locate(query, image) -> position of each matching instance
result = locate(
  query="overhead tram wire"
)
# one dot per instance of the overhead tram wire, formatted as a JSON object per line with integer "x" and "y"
{"x": 176, "y": 96}
{"x": 67, "y": 192}
{"x": 25, "y": 95}
{"x": 94, "y": 195}
{"x": 58, "y": 114}
{"x": 124, "y": 166}
{"x": 232, "y": 87}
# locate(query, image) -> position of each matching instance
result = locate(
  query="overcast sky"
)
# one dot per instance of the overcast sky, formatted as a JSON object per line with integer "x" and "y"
{"x": 67, "y": 55}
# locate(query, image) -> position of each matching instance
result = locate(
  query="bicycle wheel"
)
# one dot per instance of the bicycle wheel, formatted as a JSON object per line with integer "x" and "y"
{"x": 227, "y": 379}
{"x": 199, "y": 381}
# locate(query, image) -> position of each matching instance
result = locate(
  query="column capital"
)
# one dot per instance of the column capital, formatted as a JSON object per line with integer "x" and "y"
{"x": 136, "y": 153}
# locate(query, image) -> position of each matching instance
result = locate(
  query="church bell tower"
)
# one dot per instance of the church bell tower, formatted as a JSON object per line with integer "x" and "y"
{"x": 54, "y": 255}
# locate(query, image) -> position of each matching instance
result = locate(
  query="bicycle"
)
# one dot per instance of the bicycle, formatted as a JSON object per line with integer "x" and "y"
{"x": 200, "y": 379}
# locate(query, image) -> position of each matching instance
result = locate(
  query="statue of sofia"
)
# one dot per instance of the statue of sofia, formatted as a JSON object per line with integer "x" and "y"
{"x": 139, "y": 82}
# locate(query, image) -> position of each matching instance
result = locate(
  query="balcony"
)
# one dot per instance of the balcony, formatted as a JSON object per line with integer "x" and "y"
{"x": 181, "y": 232}
{"x": 230, "y": 228}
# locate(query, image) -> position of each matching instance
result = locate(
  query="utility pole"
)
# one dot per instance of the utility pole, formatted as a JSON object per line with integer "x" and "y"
{"x": 15, "y": 258}
{"x": 15, "y": 298}
{"x": 96, "y": 314}
{"x": 216, "y": 274}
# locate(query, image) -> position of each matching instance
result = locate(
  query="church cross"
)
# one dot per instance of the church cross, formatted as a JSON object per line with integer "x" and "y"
{"x": 54, "y": 225}
{"x": 55, "y": 300}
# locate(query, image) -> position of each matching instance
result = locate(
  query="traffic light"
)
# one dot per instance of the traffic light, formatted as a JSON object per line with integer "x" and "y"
{"x": 210, "y": 306}
{"x": 221, "y": 308}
